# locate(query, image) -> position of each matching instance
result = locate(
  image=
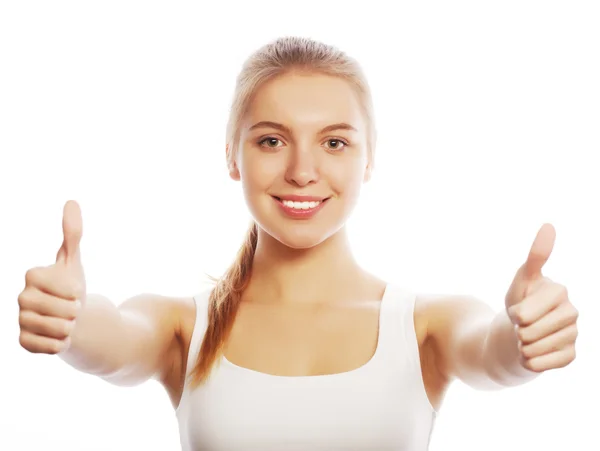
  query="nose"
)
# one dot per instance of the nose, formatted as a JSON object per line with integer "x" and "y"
{"x": 302, "y": 167}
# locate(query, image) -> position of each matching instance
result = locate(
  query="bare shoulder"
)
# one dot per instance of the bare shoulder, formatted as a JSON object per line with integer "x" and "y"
{"x": 165, "y": 317}
{"x": 149, "y": 335}
{"x": 438, "y": 312}
{"x": 432, "y": 316}
{"x": 445, "y": 322}
{"x": 180, "y": 315}
{"x": 167, "y": 322}
{"x": 436, "y": 318}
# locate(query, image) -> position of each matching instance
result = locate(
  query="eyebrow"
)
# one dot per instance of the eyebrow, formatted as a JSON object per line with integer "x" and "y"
{"x": 283, "y": 128}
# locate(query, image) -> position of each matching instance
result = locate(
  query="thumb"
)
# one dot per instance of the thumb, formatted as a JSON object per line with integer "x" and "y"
{"x": 72, "y": 225}
{"x": 539, "y": 253}
{"x": 531, "y": 271}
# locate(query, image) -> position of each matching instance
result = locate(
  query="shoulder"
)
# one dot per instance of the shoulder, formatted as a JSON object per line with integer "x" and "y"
{"x": 170, "y": 318}
{"x": 161, "y": 314}
{"x": 179, "y": 314}
{"x": 439, "y": 313}
{"x": 450, "y": 325}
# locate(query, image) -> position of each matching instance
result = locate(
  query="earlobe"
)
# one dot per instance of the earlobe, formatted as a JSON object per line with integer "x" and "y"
{"x": 234, "y": 173}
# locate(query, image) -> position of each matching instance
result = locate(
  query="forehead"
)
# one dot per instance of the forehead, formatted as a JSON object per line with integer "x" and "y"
{"x": 306, "y": 100}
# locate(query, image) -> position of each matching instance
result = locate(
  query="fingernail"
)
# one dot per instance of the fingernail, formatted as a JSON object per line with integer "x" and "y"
{"x": 68, "y": 327}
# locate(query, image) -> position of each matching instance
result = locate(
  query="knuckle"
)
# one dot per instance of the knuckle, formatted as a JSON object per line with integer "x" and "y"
{"x": 23, "y": 341}
{"x": 22, "y": 299}
{"x": 527, "y": 364}
{"x": 572, "y": 331}
{"x": 522, "y": 317}
{"x": 522, "y": 334}
{"x": 30, "y": 301}
{"x": 23, "y": 316}
{"x": 570, "y": 313}
{"x": 32, "y": 276}
{"x": 517, "y": 314}
{"x": 39, "y": 345}
{"x": 574, "y": 312}
{"x": 54, "y": 327}
{"x": 528, "y": 352}
{"x": 57, "y": 328}
{"x": 560, "y": 291}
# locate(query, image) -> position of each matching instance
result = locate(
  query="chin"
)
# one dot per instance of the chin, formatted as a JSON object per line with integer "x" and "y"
{"x": 299, "y": 233}
{"x": 300, "y": 242}
{"x": 303, "y": 236}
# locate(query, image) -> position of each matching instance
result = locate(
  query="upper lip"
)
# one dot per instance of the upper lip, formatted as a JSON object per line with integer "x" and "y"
{"x": 298, "y": 198}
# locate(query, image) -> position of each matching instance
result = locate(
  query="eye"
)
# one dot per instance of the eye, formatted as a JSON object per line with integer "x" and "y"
{"x": 338, "y": 144}
{"x": 269, "y": 141}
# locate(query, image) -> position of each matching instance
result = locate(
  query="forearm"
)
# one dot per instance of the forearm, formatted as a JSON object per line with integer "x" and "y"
{"x": 501, "y": 355}
{"x": 96, "y": 340}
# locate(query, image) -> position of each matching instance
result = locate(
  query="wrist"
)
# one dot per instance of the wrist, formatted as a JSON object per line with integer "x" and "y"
{"x": 502, "y": 353}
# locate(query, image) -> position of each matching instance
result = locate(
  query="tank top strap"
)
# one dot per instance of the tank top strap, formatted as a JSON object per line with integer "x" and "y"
{"x": 400, "y": 342}
{"x": 397, "y": 336}
{"x": 200, "y": 325}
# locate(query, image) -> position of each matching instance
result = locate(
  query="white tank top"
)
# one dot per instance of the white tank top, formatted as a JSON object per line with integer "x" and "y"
{"x": 379, "y": 406}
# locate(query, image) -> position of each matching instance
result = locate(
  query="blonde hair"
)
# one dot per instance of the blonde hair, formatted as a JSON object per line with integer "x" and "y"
{"x": 279, "y": 57}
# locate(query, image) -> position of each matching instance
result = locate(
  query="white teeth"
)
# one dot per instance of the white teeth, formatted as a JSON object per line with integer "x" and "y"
{"x": 300, "y": 205}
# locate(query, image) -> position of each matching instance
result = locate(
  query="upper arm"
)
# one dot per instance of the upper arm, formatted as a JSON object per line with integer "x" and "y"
{"x": 150, "y": 338}
{"x": 458, "y": 327}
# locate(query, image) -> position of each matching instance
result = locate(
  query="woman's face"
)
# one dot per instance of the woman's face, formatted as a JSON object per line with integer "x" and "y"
{"x": 302, "y": 157}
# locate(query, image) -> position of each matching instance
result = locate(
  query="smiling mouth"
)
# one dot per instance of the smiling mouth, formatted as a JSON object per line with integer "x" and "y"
{"x": 301, "y": 205}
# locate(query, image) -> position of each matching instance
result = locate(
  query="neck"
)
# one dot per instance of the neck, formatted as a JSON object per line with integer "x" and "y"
{"x": 285, "y": 275}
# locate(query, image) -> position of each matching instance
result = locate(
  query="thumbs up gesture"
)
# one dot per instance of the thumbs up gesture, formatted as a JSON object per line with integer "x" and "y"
{"x": 69, "y": 255}
{"x": 52, "y": 296}
{"x": 544, "y": 318}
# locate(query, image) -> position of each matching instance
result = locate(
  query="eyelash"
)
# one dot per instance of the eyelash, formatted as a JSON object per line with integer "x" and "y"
{"x": 343, "y": 141}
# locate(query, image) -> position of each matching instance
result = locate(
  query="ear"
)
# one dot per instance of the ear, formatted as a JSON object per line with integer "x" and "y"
{"x": 234, "y": 172}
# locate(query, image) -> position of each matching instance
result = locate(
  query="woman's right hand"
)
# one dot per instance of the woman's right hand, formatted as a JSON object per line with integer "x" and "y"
{"x": 52, "y": 296}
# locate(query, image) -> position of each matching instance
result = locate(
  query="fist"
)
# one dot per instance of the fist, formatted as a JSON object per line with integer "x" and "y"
{"x": 545, "y": 319}
{"x": 52, "y": 296}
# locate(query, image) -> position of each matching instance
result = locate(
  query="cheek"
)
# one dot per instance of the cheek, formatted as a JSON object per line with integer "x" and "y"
{"x": 258, "y": 172}
{"x": 347, "y": 178}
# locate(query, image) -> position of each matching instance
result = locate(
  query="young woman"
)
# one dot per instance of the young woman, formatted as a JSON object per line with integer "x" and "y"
{"x": 297, "y": 346}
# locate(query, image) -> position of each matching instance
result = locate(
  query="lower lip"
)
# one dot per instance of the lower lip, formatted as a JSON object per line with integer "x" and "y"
{"x": 297, "y": 213}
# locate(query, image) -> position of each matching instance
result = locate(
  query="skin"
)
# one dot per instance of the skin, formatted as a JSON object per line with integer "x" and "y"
{"x": 309, "y": 303}
{"x": 451, "y": 331}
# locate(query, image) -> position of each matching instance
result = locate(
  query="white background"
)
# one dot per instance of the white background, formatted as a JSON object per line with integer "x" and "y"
{"x": 488, "y": 116}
